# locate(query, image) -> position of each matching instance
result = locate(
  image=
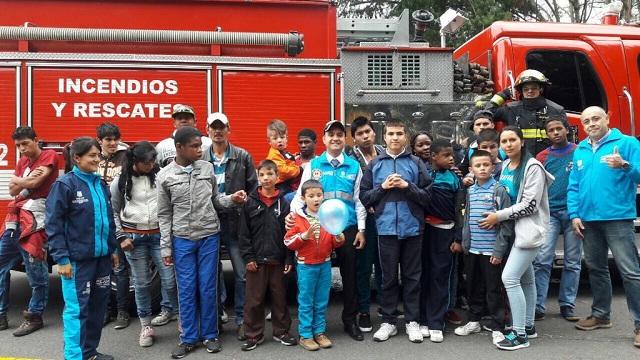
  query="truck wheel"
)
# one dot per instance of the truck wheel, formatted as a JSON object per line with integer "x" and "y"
{"x": 154, "y": 290}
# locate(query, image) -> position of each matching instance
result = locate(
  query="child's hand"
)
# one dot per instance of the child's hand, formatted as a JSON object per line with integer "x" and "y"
{"x": 455, "y": 247}
{"x": 239, "y": 197}
{"x": 287, "y": 269}
{"x": 340, "y": 238}
{"x": 289, "y": 221}
{"x": 252, "y": 267}
{"x": 495, "y": 260}
{"x": 389, "y": 182}
{"x": 467, "y": 181}
{"x": 490, "y": 220}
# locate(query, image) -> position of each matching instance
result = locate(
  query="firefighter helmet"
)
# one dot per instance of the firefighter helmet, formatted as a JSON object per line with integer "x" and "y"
{"x": 530, "y": 75}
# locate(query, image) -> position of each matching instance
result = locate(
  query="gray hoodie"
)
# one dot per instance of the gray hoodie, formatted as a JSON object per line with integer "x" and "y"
{"x": 531, "y": 210}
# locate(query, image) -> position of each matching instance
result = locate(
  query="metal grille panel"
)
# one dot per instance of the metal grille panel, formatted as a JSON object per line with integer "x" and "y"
{"x": 410, "y": 67}
{"x": 380, "y": 70}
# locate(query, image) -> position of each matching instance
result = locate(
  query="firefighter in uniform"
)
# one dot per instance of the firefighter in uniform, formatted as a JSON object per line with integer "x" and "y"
{"x": 530, "y": 112}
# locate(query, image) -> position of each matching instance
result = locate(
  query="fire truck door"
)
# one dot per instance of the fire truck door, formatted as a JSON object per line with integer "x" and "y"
{"x": 632, "y": 96}
{"x": 9, "y": 120}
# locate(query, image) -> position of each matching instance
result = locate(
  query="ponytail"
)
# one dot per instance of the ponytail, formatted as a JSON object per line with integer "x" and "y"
{"x": 141, "y": 151}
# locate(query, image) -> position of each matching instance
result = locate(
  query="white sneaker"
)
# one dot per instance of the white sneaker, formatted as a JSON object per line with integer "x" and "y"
{"x": 146, "y": 336}
{"x": 385, "y": 332}
{"x": 425, "y": 331}
{"x": 164, "y": 318}
{"x": 497, "y": 336}
{"x": 436, "y": 336}
{"x": 469, "y": 328}
{"x": 413, "y": 330}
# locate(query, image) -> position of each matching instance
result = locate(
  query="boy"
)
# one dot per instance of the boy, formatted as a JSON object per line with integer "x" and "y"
{"x": 395, "y": 185}
{"x": 482, "y": 119}
{"x": 441, "y": 239}
{"x": 189, "y": 228}
{"x": 484, "y": 248}
{"x": 313, "y": 247}
{"x": 558, "y": 160}
{"x": 288, "y": 170}
{"x": 267, "y": 258}
{"x": 112, "y": 158}
{"x": 307, "y": 140}
{"x": 23, "y": 236}
{"x": 488, "y": 140}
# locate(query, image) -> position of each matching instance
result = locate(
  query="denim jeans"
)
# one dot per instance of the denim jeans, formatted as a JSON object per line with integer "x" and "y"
{"x": 619, "y": 236}
{"x": 518, "y": 280}
{"x": 11, "y": 253}
{"x": 239, "y": 269}
{"x": 146, "y": 248}
{"x": 559, "y": 224}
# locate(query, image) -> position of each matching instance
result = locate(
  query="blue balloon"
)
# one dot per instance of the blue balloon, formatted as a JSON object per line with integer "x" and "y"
{"x": 334, "y": 216}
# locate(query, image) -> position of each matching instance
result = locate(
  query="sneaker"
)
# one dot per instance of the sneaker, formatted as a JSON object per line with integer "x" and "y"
{"x": 512, "y": 341}
{"x": 4, "y": 323}
{"x": 531, "y": 332}
{"x": 636, "y": 339}
{"x": 240, "y": 333}
{"x": 308, "y": 344}
{"x": 568, "y": 313}
{"x": 539, "y": 315}
{"x": 364, "y": 322}
{"x": 99, "y": 356}
{"x": 224, "y": 317}
{"x": 122, "y": 321}
{"x": 31, "y": 323}
{"x": 182, "y": 350}
{"x": 497, "y": 336}
{"x": 268, "y": 317}
{"x": 436, "y": 336}
{"x": 385, "y": 332}
{"x": 164, "y": 318}
{"x": 146, "y": 336}
{"x": 452, "y": 317}
{"x": 592, "y": 323}
{"x": 425, "y": 331}
{"x": 322, "y": 340}
{"x": 413, "y": 331}
{"x": 251, "y": 344}
{"x": 285, "y": 339}
{"x": 469, "y": 328}
{"x": 213, "y": 345}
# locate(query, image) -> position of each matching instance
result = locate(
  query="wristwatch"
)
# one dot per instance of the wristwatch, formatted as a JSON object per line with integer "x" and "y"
{"x": 626, "y": 165}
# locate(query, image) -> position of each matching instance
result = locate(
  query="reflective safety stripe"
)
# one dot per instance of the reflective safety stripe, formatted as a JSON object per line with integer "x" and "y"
{"x": 338, "y": 195}
{"x": 534, "y": 133}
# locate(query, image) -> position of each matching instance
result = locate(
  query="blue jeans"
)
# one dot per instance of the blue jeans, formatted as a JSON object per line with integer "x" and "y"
{"x": 146, "y": 248}
{"x": 518, "y": 280}
{"x": 314, "y": 284}
{"x": 559, "y": 224}
{"x": 619, "y": 236}
{"x": 239, "y": 270}
{"x": 11, "y": 253}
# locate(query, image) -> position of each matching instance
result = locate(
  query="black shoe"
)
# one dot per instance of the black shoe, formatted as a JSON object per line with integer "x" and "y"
{"x": 364, "y": 322}
{"x": 31, "y": 323}
{"x": 539, "y": 315}
{"x": 99, "y": 356}
{"x": 531, "y": 332}
{"x": 122, "y": 321}
{"x": 251, "y": 344}
{"x": 4, "y": 323}
{"x": 213, "y": 345}
{"x": 512, "y": 341}
{"x": 354, "y": 331}
{"x": 568, "y": 313}
{"x": 182, "y": 350}
{"x": 286, "y": 339}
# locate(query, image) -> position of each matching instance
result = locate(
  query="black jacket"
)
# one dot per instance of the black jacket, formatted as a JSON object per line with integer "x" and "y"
{"x": 261, "y": 232}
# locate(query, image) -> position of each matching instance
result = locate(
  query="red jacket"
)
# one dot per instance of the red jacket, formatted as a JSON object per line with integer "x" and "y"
{"x": 312, "y": 251}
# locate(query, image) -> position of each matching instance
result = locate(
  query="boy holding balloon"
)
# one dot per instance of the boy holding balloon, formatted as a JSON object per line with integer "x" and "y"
{"x": 396, "y": 184}
{"x": 313, "y": 245}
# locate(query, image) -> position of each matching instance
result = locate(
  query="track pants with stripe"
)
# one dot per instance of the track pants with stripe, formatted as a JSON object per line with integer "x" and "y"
{"x": 85, "y": 302}
{"x": 196, "y": 265}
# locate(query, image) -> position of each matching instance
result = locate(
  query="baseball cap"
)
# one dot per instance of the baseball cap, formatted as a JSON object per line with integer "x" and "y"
{"x": 182, "y": 109}
{"x": 217, "y": 116}
{"x": 486, "y": 114}
{"x": 334, "y": 123}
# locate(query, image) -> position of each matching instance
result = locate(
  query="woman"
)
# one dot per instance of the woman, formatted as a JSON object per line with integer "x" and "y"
{"x": 81, "y": 231}
{"x": 526, "y": 181}
{"x": 135, "y": 209}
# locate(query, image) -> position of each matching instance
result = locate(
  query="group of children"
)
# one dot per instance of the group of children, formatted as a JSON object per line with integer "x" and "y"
{"x": 426, "y": 210}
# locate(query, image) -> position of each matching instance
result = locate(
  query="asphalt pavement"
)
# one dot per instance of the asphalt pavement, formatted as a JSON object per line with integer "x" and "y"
{"x": 558, "y": 339}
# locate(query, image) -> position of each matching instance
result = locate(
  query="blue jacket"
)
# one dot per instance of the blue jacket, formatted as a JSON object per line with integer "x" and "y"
{"x": 398, "y": 212}
{"x": 79, "y": 218}
{"x": 597, "y": 192}
{"x": 337, "y": 183}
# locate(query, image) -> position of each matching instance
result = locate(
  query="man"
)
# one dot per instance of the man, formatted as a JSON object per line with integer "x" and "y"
{"x": 531, "y": 112}
{"x": 601, "y": 204}
{"x": 183, "y": 115}
{"x": 307, "y": 146}
{"x": 340, "y": 177}
{"x": 112, "y": 158}
{"x": 234, "y": 170}
{"x": 364, "y": 150}
{"x": 24, "y": 239}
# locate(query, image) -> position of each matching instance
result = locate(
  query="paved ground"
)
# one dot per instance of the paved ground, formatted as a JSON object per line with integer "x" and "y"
{"x": 558, "y": 338}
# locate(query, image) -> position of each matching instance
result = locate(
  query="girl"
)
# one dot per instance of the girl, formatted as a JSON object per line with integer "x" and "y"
{"x": 526, "y": 181}
{"x": 421, "y": 147}
{"x": 135, "y": 208}
{"x": 79, "y": 223}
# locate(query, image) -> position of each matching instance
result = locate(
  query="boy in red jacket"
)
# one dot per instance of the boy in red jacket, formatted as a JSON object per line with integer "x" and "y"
{"x": 313, "y": 247}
